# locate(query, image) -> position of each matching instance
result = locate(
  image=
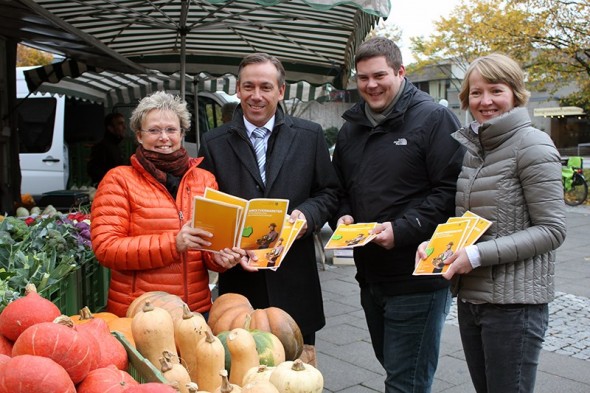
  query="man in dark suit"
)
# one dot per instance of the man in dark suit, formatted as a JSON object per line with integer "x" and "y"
{"x": 295, "y": 166}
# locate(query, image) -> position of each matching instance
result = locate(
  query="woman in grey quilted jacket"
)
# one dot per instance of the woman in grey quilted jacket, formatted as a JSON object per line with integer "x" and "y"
{"x": 511, "y": 176}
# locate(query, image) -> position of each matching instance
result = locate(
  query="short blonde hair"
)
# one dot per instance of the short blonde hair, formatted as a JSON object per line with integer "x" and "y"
{"x": 496, "y": 68}
{"x": 162, "y": 101}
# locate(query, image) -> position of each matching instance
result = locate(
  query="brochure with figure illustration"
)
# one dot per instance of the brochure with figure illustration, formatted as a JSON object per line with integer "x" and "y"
{"x": 351, "y": 235}
{"x": 271, "y": 258}
{"x": 258, "y": 221}
{"x": 456, "y": 233}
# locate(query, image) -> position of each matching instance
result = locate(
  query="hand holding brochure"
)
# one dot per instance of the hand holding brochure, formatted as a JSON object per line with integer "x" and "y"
{"x": 351, "y": 235}
{"x": 449, "y": 237}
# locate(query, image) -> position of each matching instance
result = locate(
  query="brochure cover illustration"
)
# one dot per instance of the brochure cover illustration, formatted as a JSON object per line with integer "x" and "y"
{"x": 253, "y": 224}
{"x": 271, "y": 258}
{"x": 449, "y": 237}
{"x": 351, "y": 235}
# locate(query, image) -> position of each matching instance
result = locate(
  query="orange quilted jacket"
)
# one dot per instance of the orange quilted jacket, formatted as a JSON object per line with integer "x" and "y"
{"x": 134, "y": 225}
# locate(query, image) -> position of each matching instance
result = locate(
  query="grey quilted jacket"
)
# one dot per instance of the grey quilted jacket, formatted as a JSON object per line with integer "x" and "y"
{"x": 512, "y": 176}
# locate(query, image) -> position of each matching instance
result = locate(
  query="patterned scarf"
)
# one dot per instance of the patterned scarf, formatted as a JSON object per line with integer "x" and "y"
{"x": 161, "y": 165}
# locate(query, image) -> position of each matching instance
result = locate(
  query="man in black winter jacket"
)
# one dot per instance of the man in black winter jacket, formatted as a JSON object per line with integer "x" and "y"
{"x": 398, "y": 165}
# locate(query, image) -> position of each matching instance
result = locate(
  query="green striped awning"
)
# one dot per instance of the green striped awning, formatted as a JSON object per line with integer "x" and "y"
{"x": 315, "y": 39}
{"x": 109, "y": 88}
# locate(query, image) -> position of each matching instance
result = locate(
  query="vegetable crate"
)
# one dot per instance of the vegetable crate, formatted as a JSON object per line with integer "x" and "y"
{"x": 141, "y": 369}
{"x": 85, "y": 286}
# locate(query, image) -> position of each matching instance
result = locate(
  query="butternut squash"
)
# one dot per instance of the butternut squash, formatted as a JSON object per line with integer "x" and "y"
{"x": 174, "y": 372}
{"x": 242, "y": 348}
{"x": 153, "y": 332}
{"x": 210, "y": 359}
{"x": 194, "y": 388}
{"x": 226, "y": 386}
{"x": 188, "y": 331}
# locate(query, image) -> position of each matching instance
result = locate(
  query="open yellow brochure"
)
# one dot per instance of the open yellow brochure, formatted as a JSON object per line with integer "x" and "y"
{"x": 236, "y": 222}
{"x": 456, "y": 233}
{"x": 351, "y": 235}
{"x": 271, "y": 258}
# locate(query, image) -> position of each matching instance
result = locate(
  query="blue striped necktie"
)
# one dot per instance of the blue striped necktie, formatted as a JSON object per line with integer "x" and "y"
{"x": 260, "y": 149}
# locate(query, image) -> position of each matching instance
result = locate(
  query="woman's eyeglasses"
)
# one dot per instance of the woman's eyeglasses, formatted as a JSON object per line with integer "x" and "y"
{"x": 158, "y": 131}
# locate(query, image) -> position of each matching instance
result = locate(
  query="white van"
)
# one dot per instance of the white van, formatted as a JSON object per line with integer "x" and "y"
{"x": 44, "y": 160}
{"x": 50, "y": 126}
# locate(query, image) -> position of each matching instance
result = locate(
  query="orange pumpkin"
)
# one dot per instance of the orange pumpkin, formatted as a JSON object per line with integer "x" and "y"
{"x": 85, "y": 315}
{"x": 123, "y": 326}
{"x": 231, "y": 310}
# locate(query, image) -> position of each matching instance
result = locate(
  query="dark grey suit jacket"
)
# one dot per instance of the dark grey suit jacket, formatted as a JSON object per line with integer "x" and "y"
{"x": 298, "y": 168}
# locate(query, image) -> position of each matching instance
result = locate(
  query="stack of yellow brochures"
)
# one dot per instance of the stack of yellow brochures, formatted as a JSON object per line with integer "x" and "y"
{"x": 351, "y": 235}
{"x": 456, "y": 233}
{"x": 260, "y": 224}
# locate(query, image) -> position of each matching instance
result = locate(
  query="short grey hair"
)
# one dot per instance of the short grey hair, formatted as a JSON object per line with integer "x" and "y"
{"x": 162, "y": 101}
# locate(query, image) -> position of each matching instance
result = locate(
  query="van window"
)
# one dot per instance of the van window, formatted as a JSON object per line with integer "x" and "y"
{"x": 35, "y": 120}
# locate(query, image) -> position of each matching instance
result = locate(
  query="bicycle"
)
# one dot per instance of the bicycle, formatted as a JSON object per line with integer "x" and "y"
{"x": 575, "y": 187}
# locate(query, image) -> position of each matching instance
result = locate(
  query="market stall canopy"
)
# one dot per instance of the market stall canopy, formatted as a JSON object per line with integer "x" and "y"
{"x": 315, "y": 39}
{"x": 26, "y": 22}
{"x": 109, "y": 88}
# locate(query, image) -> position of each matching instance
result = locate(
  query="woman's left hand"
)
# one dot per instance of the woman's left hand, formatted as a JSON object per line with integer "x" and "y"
{"x": 459, "y": 264}
{"x": 228, "y": 258}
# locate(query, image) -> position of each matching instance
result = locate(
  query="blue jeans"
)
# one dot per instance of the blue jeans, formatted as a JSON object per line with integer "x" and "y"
{"x": 405, "y": 333}
{"x": 502, "y": 344}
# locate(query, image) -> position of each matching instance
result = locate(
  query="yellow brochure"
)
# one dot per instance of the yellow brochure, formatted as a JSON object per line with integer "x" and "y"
{"x": 351, "y": 235}
{"x": 220, "y": 218}
{"x": 444, "y": 242}
{"x": 271, "y": 258}
{"x": 258, "y": 221}
{"x": 478, "y": 229}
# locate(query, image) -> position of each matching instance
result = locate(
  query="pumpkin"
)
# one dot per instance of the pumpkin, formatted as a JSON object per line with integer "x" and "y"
{"x": 259, "y": 387}
{"x": 210, "y": 360}
{"x": 5, "y": 346}
{"x": 123, "y": 326}
{"x": 231, "y": 310}
{"x": 86, "y": 315}
{"x": 153, "y": 332}
{"x": 4, "y": 359}
{"x": 111, "y": 350}
{"x": 270, "y": 349}
{"x": 26, "y": 311}
{"x": 106, "y": 379}
{"x": 297, "y": 377}
{"x": 242, "y": 347}
{"x": 30, "y": 373}
{"x": 151, "y": 387}
{"x": 174, "y": 372}
{"x": 59, "y": 342}
{"x": 282, "y": 325}
{"x": 223, "y": 303}
{"x": 187, "y": 333}
{"x": 171, "y": 303}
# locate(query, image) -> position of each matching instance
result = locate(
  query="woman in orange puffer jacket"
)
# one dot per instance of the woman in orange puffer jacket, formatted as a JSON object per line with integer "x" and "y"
{"x": 141, "y": 214}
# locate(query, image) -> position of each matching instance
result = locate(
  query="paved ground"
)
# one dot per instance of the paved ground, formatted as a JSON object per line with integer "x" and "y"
{"x": 346, "y": 358}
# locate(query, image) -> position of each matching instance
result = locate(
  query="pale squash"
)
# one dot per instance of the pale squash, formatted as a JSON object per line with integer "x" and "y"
{"x": 174, "y": 372}
{"x": 260, "y": 373}
{"x": 242, "y": 347}
{"x": 194, "y": 388}
{"x": 259, "y": 387}
{"x": 226, "y": 386}
{"x": 153, "y": 332}
{"x": 210, "y": 360}
{"x": 188, "y": 331}
{"x": 297, "y": 377}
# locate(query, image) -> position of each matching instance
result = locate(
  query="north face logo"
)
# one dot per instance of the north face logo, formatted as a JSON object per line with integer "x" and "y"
{"x": 400, "y": 142}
